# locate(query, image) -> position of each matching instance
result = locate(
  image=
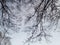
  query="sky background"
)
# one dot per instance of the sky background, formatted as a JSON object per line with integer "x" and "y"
{"x": 18, "y": 39}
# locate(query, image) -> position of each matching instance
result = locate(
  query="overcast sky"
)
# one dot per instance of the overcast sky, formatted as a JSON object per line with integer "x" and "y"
{"x": 18, "y": 39}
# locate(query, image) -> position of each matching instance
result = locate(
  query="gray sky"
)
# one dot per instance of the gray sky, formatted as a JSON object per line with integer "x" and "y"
{"x": 18, "y": 39}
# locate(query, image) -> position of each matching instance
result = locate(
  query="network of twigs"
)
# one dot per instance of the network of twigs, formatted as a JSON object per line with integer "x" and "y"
{"x": 46, "y": 10}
